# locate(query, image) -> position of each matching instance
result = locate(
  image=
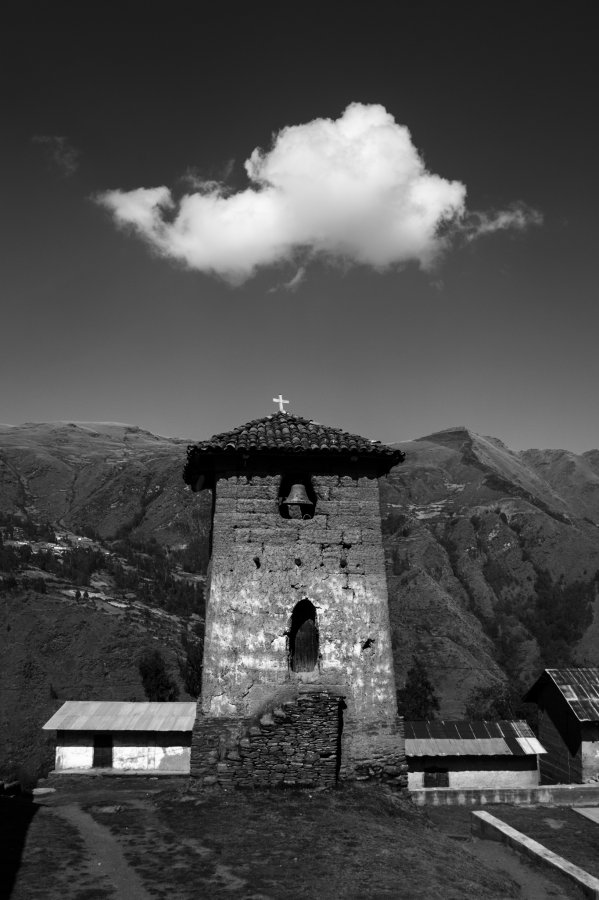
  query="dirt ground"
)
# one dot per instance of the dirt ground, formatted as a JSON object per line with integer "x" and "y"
{"x": 144, "y": 839}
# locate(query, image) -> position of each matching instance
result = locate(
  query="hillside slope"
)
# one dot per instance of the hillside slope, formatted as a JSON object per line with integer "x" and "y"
{"x": 53, "y": 649}
{"x": 493, "y": 567}
{"x": 492, "y": 554}
{"x": 113, "y": 479}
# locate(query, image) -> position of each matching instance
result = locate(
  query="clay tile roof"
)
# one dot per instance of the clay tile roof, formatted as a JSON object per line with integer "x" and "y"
{"x": 283, "y": 433}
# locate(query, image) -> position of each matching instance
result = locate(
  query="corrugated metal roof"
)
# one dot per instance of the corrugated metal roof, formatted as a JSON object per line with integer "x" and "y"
{"x": 116, "y": 715}
{"x": 579, "y": 688}
{"x": 465, "y": 738}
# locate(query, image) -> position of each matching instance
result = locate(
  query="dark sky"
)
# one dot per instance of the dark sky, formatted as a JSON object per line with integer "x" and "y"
{"x": 501, "y": 336}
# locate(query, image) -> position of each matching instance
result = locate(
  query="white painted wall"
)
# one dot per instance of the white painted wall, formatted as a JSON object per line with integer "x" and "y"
{"x": 482, "y": 778}
{"x": 590, "y": 760}
{"x": 132, "y": 751}
{"x": 75, "y": 751}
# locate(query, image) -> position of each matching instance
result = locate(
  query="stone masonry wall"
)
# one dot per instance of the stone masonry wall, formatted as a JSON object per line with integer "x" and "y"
{"x": 297, "y": 745}
{"x": 262, "y": 565}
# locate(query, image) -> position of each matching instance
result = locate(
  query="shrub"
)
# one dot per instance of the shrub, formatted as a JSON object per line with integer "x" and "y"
{"x": 417, "y": 700}
{"x": 157, "y": 683}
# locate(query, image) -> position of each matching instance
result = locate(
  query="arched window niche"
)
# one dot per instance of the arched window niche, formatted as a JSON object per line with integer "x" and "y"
{"x": 303, "y": 637}
{"x": 297, "y": 498}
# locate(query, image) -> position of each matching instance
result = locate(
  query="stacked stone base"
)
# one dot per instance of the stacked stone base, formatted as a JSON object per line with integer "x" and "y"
{"x": 298, "y": 744}
{"x": 375, "y": 752}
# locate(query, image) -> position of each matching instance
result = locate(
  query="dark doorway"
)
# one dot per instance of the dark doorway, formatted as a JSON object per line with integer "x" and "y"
{"x": 435, "y": 776}
{"x": 341, "y": 706}
{"x": 102, "y": 751}
{"x": 303, "y": 638}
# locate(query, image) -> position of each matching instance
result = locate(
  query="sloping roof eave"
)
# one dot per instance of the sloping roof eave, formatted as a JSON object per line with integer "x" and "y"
{"x": 114, "y": 715}
{"x": 285, "y": 435}
{"x": 471, "y": 738}
{"x": 579, "y": 688}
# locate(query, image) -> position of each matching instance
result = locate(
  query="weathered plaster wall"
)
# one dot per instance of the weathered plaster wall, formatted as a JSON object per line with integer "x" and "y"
{"x": 590, "y": 752}
{"x": 262, "y": 565}
{"x": 477, "y": 772}
{"x": 153, "y": 751}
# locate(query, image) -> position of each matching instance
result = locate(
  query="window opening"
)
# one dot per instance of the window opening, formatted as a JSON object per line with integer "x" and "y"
{"x": 303, "y": 637}
{"x": 435, "y": 776}
{"x": 297, "y": 499}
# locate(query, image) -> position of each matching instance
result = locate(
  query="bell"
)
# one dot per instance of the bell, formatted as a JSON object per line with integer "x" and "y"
{"x": 297, "y": 495}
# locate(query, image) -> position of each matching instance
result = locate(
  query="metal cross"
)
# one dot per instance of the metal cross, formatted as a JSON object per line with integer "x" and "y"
{"x": 281, "y": 402}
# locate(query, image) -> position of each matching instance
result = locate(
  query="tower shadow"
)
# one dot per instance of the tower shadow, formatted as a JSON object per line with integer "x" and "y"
{"x": 16, "y": 815}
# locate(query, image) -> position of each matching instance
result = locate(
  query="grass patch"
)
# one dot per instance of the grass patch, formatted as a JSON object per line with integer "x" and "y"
{"x": 350, "y": 843}
{"x": 561, "y": 830}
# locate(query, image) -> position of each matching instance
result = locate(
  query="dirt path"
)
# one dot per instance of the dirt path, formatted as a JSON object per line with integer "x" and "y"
{"x": 106, "y": 855}
{"x": 119, "y": 839}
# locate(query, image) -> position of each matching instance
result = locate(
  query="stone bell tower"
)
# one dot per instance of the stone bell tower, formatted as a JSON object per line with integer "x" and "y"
{"x": 298, "y": 684}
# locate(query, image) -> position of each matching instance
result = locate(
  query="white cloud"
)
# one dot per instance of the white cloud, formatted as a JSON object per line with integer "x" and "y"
{"x": 298, "y": 278}
{"x": 352, "y": 189}
{"x": 60, "y": 152}
{"x": 293, "y": 283}
{"x": 518, "y": 217}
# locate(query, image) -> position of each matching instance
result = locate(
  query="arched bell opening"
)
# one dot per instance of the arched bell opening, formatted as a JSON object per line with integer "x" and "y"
{"x": 303, "y": 638}
{"x": 297, "y": 498}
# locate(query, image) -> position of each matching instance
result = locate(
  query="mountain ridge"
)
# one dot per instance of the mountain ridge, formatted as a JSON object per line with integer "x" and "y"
{"x": 492, "y": 554}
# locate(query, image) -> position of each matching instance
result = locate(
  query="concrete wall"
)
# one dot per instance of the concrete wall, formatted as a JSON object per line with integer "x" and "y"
{"x": 156, "y": 751}
{"x": 590, "y": 752}
{"x": 262, "y": 565}
{"x": 478, "y": 772}
{"x": 547, "y": 795}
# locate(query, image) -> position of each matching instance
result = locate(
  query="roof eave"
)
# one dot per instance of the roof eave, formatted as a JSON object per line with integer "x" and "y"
{"x": 210, "y": 462}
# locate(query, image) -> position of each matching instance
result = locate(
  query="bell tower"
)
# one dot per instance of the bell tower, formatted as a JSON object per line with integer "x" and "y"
{"x": 298, "y": 684}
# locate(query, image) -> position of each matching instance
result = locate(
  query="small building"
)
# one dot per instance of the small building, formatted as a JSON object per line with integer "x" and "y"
{"x": 471, "y": 755}
{"x": 297, "y": 619}
{"x": 568, "y": 702}
{"x": 123, "y": 736}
